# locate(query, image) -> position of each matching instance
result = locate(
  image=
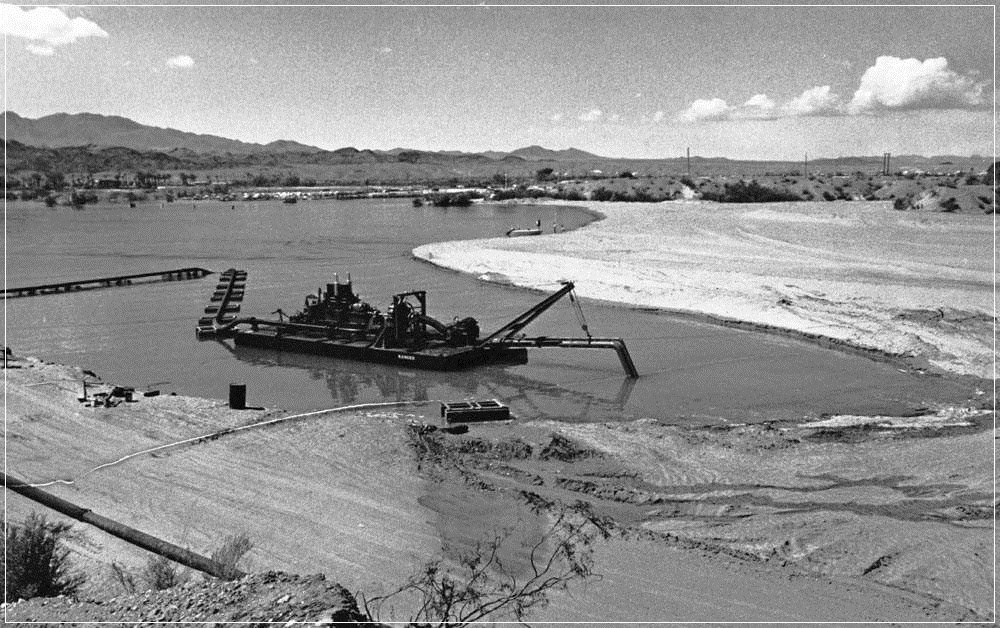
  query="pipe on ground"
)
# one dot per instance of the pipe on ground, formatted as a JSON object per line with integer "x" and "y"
{"x": 122, "y": 531}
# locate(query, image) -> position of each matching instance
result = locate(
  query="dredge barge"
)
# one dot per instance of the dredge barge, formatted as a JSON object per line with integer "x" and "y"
{"x": 335, "y": 322}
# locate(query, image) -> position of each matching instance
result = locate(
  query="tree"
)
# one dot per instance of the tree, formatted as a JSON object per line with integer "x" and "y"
{"x": 482, "y": 587}
{"x": 35, "y": 563}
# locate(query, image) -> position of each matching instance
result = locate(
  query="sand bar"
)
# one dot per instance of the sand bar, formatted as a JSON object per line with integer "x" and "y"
{"x": 916, "y": 285}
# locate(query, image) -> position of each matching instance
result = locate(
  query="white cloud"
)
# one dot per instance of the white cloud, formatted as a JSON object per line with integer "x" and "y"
{"x": 46, "y": 24}
{"x": 894, "y": 83}
{"x": 556, "y": 117}
{"x": 659, "y": 116}
{"x": 890, "y": 84}
{"x": 591, "y": 116}
{"x": 385, "y": 51}
{"x": 757, "y": 107}
{"x": 701, "y": 109}
{"x": 180, "y": 61}
{"x": 816, "y": 101}
{"x": 41, "y": 51}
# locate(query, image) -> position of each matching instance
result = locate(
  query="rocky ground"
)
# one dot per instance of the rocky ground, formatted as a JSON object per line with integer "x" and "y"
{"x": 260, "y": 599}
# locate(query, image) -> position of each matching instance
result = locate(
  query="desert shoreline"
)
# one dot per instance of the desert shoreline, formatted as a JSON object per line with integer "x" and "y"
{"x": 928, "y": 337}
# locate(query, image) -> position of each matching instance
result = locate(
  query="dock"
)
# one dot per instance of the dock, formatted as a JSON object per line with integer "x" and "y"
{"x": 179, "y": 274}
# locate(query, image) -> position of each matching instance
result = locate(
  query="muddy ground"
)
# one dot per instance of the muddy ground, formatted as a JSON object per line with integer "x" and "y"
{"x": 844, "y": 519}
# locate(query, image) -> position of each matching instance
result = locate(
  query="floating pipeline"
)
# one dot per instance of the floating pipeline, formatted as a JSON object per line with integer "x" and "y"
{"x": 119, "y": 281}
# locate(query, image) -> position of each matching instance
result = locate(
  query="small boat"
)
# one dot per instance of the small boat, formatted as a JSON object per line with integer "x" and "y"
{"x": 515, "y": 232}
{"x": 418, "y": 202}
{"x": 290, "y": 200}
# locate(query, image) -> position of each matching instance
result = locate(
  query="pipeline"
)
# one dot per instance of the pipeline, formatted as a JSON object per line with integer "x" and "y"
{"x": 226, "y": 431}
{"x": 123, "y": 532}
{"x": 579, "y": 343}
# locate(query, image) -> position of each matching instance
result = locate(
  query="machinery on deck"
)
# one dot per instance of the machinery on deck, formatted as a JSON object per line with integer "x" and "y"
{"x": 336, "y": 322}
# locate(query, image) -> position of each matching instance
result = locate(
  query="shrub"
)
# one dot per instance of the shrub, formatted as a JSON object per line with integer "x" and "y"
{"x": 231, "y": 551}
{"x": 35, "y": 562}
{"x": 601, "y": 194}
{"x": 753, "y": 192}
{"x": 949, "y": 205}
{"x": 162, "y": 573}
{"x": 482, "y": 587}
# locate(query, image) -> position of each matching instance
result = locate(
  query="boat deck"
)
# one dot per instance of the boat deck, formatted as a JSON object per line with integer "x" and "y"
{"x": 438, "y": 357}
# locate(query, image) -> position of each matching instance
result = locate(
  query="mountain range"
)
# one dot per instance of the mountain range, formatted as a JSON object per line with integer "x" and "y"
{"x": 63, "y": 130}
{"x": 87, "y": 143}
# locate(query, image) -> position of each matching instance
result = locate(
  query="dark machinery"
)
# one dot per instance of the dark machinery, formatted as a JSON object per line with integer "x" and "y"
{"x": 337, "y": 322}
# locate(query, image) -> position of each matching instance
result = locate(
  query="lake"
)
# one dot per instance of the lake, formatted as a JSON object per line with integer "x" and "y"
{"x": 143, "y": 335}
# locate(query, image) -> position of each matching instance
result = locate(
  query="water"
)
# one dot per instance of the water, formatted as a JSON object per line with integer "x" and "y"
{"x": 144, "y": 335}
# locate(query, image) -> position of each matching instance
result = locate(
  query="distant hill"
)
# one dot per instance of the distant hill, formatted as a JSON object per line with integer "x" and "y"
{"x": 62, "y": 130}
{"x": 89, "y": 143}
{"x": 537, "y": 153}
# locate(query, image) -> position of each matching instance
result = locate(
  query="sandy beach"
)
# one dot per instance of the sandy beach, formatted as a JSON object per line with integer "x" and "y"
{"x": 846, "y": 518}
{"x": 909, "y": 284}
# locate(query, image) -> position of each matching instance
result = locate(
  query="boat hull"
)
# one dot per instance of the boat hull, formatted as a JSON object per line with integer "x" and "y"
{"x": 441, "y": 358}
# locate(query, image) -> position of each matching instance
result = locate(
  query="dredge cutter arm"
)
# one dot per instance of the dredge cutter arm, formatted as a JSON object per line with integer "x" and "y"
{"x": 505, "y": 335}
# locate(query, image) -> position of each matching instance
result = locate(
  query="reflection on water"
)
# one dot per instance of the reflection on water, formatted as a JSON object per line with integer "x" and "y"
{"x": 350, "y": 382}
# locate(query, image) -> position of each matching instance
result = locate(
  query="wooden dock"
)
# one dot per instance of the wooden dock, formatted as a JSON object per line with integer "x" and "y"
{"x": 179, "y": 274}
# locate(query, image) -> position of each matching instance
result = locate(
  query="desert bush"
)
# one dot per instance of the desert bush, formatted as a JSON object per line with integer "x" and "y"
{"x": 35, "y": 562}
{"x": 123, "y": 577}
{"x": 481, "y": 587}
{"x": 753, "y": 192}
{"x": 950, "y": 204}
{"x": 162, "y": 573}
{"x": 601, "y": 194}
{"x": 231, "y": 551}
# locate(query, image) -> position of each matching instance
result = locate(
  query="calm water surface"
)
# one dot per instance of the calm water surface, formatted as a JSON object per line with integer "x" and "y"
{"x": 143, "y": 335}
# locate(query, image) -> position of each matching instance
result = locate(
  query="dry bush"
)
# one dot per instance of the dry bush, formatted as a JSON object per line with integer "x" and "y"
{"x": 35, "y": 562}
{"x": 481, "y": 587}
{"x": 162, "y": 573}
{"x": 230, "y": 552}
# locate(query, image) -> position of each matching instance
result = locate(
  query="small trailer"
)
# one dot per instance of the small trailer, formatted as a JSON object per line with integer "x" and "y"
{"x": 474, "y": 411}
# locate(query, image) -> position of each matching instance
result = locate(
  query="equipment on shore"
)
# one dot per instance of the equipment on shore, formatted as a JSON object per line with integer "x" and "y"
{"x": 474, "y": 411}
{"x": 336, "y": 322}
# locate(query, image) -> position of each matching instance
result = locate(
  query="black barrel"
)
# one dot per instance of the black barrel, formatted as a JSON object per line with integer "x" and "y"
{"x": 238, "y": 396}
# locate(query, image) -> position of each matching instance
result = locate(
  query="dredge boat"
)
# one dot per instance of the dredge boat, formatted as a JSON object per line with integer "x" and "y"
{"x": 336, "y": 322}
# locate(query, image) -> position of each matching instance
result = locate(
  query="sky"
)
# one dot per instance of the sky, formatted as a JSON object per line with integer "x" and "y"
{"x": 744, "y": 82}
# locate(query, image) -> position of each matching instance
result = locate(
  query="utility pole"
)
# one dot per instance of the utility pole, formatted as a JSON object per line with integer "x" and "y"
{"x": 805, "y": 165}
{"x": 689, "y": 162}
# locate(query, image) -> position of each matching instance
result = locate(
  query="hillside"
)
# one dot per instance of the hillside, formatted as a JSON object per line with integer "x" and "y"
{"x": 62, "y": 130}
{"x": 80, "y": 149}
